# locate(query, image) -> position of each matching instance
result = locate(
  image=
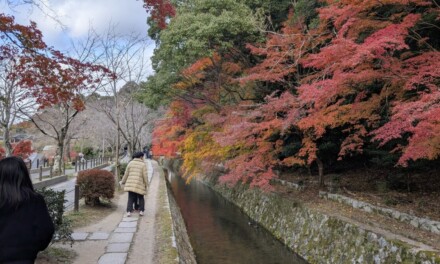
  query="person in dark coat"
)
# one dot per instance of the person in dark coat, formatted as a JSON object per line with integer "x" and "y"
{"x": 25, "y": 224}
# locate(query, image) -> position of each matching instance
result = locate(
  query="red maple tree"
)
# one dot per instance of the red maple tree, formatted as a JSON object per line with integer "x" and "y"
{"x": 344, "y": 82}
{"x": 46, "y": 75}
{"x": 21, "y": 149}
{"x": 368, "y": 71}
{"x": 160, "y": 11}
{"x": 168, "y": 133}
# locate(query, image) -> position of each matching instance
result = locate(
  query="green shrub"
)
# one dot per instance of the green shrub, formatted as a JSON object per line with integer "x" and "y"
{"x": 390, "y": 201}
{"x": 55, "y": 204}
{"x": 95, "y": 184}
{"x": 381, "y": 186}
{"x": 122, "y": 168}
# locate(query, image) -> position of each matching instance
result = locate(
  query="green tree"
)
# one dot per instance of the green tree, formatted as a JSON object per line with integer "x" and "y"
{"x": 200, "y": 29}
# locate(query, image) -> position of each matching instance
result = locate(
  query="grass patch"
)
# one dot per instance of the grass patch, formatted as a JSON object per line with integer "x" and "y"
{"x": 88, "y": 215}
{"x": 55, "y": 255}
{"x": 166, "y": 253}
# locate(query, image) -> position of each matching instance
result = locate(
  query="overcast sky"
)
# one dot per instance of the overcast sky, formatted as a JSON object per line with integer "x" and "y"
{"x": 78, "y": 15}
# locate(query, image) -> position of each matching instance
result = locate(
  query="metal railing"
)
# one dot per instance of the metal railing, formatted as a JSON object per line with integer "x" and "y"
{"x": 84, "y": 164}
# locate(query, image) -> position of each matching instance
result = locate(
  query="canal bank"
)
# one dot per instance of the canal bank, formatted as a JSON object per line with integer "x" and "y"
{"x": 322, "y": 238}
{"x": 220, "y": 233}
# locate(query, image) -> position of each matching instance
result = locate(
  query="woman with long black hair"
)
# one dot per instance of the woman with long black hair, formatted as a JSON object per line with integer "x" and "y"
{"x": 25, "y": 225}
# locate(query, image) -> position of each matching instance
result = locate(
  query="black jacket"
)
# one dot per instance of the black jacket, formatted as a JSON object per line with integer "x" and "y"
{"x": 25, "y": 231}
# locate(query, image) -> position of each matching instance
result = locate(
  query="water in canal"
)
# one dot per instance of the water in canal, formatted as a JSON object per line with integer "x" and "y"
{"x": 221, "y": 233}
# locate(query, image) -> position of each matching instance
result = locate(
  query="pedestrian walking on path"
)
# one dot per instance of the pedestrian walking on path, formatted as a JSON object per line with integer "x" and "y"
{"x": 136, "y": 182}
{"x": 117, "y": 239}
{"x": 25, "y": 225}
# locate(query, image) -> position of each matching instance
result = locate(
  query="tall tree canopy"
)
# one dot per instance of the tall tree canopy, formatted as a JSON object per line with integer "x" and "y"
{"x": 336, "y": 80}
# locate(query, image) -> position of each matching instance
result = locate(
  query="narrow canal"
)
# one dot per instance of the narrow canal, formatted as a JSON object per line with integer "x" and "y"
{"x": 221, "y": 233}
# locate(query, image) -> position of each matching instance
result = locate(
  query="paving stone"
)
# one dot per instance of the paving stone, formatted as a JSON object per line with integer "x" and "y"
{"x": 125, "y": 230}
{"x": 113, "y": 258}
{"x": 118, "y": 247}
{"x": 130, "y": 219}
{"x": 99, "y": 236}
{"x": 79, "y": 236}
{"x": 127, "y": 224}
{"x": 121, "y": 237}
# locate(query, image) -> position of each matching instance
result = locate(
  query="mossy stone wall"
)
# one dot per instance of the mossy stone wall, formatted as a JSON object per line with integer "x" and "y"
{"x": 319, "y": 238}
{"x": 183, "y": 244}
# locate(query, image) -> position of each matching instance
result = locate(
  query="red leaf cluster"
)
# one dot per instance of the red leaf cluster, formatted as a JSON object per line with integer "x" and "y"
{"x": 49, "y": 76}
{"x": 160, "y": 11}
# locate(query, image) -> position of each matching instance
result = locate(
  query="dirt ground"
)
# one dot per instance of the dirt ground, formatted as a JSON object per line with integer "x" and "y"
{"x": 417, "y": 195}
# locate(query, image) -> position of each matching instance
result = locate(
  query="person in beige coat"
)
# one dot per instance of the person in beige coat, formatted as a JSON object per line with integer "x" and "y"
{"x": 136, "y": 182}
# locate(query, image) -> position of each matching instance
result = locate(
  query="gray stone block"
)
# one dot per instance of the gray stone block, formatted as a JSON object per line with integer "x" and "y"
{"x": 121, "y": 238}
{"x": 118, "y": 247}
{"x": 99, "y": 236}
{"x": 414, "y": 223}
{"x": 125, "y": 230}
{"x": 127, "y": 224}
{"x": 79, "y": 236}
{"x": 113, "y": 258}
{"x": 129, "y": 219}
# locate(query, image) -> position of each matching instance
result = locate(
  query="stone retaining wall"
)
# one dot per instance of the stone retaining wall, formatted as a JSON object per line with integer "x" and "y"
{"x": 49, "y": 181}
{"x": 320, "y": 238}
{"x": 418, "y": 222}
{"x": 289, "y": 184}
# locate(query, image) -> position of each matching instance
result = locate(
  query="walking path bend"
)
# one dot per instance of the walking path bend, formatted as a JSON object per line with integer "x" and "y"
{"x": 117, "y": 239}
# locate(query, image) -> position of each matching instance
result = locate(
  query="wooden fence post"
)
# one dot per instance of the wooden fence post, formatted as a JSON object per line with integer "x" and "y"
{"x": 41, "y": 173}
{"x": 76, "y": 198}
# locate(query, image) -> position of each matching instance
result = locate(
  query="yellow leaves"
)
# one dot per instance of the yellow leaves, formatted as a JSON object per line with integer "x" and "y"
{"x": 201, "y": 153}
{"x": 292, "y": 160}
{"x": 200, "y": 112}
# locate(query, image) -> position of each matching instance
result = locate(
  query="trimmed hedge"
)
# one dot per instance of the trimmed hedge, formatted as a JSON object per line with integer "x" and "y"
{"x": 95, "y": 184}
{"x": 55, "y": 204}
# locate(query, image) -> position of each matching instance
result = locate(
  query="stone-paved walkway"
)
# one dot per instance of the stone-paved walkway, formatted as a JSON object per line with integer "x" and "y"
{"x": 119, "y": 240}
{"x": 122, "y": 238}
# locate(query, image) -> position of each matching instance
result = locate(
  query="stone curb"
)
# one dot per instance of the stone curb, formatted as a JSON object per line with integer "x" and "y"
{"x": 418, "y": 222}
{"x": 50, "y": 182}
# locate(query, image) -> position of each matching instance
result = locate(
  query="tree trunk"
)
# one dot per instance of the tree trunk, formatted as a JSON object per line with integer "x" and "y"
{"x": 59, "y": 161}
{"x": 130, "y": 149}
{"x": 69, "y": 158}
{"x": 7, "y": 140}
{"x": 118, "y": 141}
{"x": 309, "y": 169}
{"x": 321, "y": 172}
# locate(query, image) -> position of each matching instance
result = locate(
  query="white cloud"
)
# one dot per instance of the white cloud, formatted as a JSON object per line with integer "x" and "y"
{"x": 78, "y": 15}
